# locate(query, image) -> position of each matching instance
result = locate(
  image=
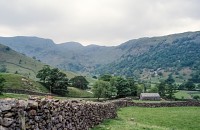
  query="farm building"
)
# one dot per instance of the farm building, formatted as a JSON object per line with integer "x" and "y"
{"x": 149, "y": 96}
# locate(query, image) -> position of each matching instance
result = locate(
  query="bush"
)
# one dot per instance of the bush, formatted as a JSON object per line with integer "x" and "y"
{"x": 197, "y": 97}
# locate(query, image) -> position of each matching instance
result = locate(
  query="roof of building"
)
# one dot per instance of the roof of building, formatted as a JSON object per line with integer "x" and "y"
{"x": 150, "y": 95}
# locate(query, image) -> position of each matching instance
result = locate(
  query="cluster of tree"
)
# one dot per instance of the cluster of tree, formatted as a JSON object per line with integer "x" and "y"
{"x": 195, "y": 77}
{"x": 79, "y": 82}
{"x": 189, "y": 85}
{"x": 109, "y": 86}
{"x": 2, "y": 80}
{"x": 167, "y": 88}
{"x": 55, "y": 80}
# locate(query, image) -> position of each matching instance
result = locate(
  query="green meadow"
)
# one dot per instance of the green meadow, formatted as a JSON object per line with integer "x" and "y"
{"x": 166, "y": 118}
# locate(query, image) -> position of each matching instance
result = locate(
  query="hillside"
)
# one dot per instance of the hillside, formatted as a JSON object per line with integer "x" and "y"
{"x": 144, "y": 58}
{"x": 178, "y": 54}
{"x": 14, "y": 62}
{"x": 15, "y": 81}
{"x": 18, "y": 82}
{"x": 18, "y": 63}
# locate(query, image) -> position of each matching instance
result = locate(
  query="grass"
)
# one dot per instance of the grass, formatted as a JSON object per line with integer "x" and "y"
{"x": 137, "y": 118}
{"x": 78, "y": 93}
{"x": 182, "y": 95}
{"x": 15, "y": 81}
{"x": 12, "y": 95}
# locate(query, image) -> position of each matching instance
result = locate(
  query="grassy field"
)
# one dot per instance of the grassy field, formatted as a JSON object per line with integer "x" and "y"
{"x": 75, "y": 92}
{"x": 182, "y": 95}
{"x": 138, "y": 118}
{"x": 12, "y": 95}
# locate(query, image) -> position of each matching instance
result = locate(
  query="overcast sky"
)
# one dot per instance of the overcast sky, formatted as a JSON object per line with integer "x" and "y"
{"x": 102, "y": 22}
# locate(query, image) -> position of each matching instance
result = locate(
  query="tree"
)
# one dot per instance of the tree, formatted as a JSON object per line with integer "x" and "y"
{"x": 161, "y": 88}
{"x": 170, "y": 90}
{"x": 169, "y": 80}
{"x": 44, "y": 73}
{"x": 103, "y": 89}
{"x": 170, "y": 87}
{"x": 2, "y": 80}
{"x": 189, "y": 85}
{"x": 122, "y": 86}
{"x": 195, "y": 77}
{"x": 105, "y": 77}
{"x": 79, "y": 82}
{"x": 153, "y": 89}
{"x": 54, "y": 80}
{"x": 140, "y": 89}
{"x": 197, "y": 97}
{"x": 132, "y": 86}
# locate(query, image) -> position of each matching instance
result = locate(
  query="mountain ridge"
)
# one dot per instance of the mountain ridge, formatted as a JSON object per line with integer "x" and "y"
{"x": 97, "y": 59}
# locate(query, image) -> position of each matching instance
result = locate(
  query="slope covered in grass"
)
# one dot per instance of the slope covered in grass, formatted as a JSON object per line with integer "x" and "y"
{"x": 15, "y": 81}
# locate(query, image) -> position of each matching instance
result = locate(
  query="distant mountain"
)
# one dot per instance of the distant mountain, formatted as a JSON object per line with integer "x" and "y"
{"x": 143, "y": 58}
{"x": 69, "y": 56}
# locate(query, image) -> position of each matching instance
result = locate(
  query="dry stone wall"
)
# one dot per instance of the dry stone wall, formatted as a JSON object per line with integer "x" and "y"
{"x": 45, "y": 114}
{"x": 49, "y": 114}
{"x": 127, "y": 103}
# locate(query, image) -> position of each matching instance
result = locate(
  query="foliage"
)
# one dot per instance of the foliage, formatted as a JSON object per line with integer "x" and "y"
{"x": 195, "y": 77}
{"x": 55, "y": 80}
{"x": 153, "y": 89}
{"x": 3, "y": 69}
{"x": 197, "y": 97}
{"x": 140, "y": 89}
{"x": 2, "y": 80}
{"x": 79, "y": 82}
{"x": 189, "y": 85}
{"x": 103, "y": 89}
{"x": 165, "y": 118}
{"x": 133, "y": 86}
{"x": 105, "y": 77}
{"x": 161, "y": 88}
{"x": 122, "y": 86}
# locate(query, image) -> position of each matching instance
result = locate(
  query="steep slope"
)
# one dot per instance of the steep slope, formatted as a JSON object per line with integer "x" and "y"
{"x": 172, "y": 53}
{"x": 14, "y": 62}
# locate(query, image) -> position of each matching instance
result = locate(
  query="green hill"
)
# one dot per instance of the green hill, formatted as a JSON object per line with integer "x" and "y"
{"x": 15, "y": 81}
{"x": 18, "y": 82}
{"x": 17, "y": 63}
{"x": 14, "y": 62}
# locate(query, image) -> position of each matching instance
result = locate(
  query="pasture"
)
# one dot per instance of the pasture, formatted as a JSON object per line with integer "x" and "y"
{"x": 166, "y": 118}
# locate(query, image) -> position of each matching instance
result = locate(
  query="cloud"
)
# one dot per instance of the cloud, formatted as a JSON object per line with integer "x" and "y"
{"x": 103, "y": 22}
